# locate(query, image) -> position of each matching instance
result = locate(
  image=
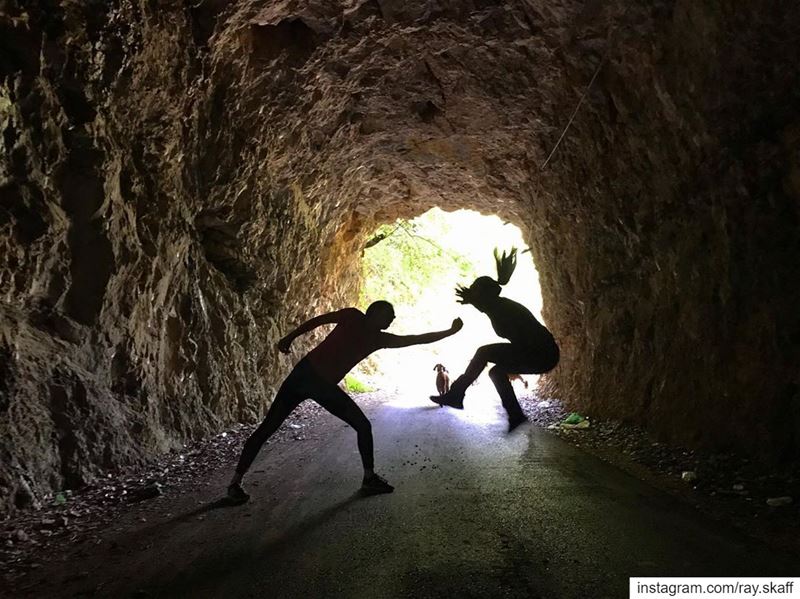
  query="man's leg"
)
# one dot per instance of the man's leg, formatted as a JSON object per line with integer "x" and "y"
{"x": 341, "y": 405}
{"x": 285, "y": 402}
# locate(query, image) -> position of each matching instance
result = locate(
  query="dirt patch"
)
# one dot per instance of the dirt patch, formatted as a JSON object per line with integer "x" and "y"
{"x": 725, "y": 486}
{"x": 75, "y": 518}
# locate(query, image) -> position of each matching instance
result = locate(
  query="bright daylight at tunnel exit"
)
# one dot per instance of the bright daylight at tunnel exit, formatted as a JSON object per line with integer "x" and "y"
{"x": 417, "y": 264}
{"x": 399, "y": 298}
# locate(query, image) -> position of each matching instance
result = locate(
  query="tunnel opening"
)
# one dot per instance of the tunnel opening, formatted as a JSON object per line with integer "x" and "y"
{"x": 230, "y": 188}
{"x": 416, "y": 265}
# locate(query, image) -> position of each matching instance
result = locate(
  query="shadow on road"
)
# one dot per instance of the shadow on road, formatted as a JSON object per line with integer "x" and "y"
{"x": 297, "y": 531}
{"x": 236, "y": 559}
{"x": 160, "y": 528}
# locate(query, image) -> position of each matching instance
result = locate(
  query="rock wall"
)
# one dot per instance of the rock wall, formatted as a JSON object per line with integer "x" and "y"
{"x": 679, "y": 184}
{"x": 182, "y": 182}
{"x": 146, "y": 253}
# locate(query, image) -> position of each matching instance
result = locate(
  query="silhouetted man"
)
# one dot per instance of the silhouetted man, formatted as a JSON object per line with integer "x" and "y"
{"x": 532, "y": 348}
{"x": 316, "y": 376}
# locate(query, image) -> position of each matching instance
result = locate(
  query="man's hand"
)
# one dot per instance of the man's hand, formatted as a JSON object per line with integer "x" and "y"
{"x": 284, "y": 345}
{"x": 457, "y": 325}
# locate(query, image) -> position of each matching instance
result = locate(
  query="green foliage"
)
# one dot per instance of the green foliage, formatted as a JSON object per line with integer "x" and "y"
{"x": 417, "y": 265}
{"x": 405, "y": 260}
{"x": 353, "y": 385}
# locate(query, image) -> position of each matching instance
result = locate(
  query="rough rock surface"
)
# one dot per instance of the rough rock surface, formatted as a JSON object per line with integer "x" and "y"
{"x": 181, "y": 182}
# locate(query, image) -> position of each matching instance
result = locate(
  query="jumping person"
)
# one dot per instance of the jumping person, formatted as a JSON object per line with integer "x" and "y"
{"x": 532, "y": 348}
{"x": 317, "y": 375}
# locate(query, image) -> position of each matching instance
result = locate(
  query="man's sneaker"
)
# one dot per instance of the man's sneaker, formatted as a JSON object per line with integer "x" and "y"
{"x": 236, "y": 494}
{"x": 375, "y": 485}
{"x": 451, "y": 399}
{"x": 515, "y": 421}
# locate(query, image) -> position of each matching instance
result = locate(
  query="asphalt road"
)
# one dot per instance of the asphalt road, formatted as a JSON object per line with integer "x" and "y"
{"x": 476, "y": 513}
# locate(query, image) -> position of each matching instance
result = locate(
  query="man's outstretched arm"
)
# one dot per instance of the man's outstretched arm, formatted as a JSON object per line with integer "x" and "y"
{"x": 309, "y": 325}
{"x": 390, "y": 340}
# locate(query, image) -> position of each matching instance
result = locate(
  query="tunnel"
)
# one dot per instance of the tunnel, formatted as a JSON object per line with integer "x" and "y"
{"x": 181, "y": 183}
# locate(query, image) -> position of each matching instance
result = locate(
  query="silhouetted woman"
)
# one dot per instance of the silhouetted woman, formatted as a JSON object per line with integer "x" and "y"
{"x": 532, "y": 348}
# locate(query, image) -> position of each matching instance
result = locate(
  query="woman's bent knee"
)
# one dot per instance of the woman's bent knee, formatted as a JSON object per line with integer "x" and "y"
{"x": 482, "y": 351}
{"x": 497, "y": 372}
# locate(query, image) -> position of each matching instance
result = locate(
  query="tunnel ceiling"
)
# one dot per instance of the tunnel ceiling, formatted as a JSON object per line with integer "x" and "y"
{"x": 180, "y": 184}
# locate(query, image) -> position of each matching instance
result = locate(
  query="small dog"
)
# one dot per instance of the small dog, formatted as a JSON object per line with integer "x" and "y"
{"x": 442, "y": 379}
{"x": 516, "y": 377}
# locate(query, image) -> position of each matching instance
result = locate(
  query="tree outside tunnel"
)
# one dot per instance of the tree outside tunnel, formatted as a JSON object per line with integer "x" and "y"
{"x": 416, "y": 264}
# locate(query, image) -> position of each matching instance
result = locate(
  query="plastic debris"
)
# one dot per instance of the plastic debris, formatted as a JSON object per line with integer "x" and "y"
{"x": 582, "y": 424}
{"x": 60, "y": 499}
{"x": 779, "y": 501}
{"x": 575, "y": 420}
{"x": 688, "y": 476}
